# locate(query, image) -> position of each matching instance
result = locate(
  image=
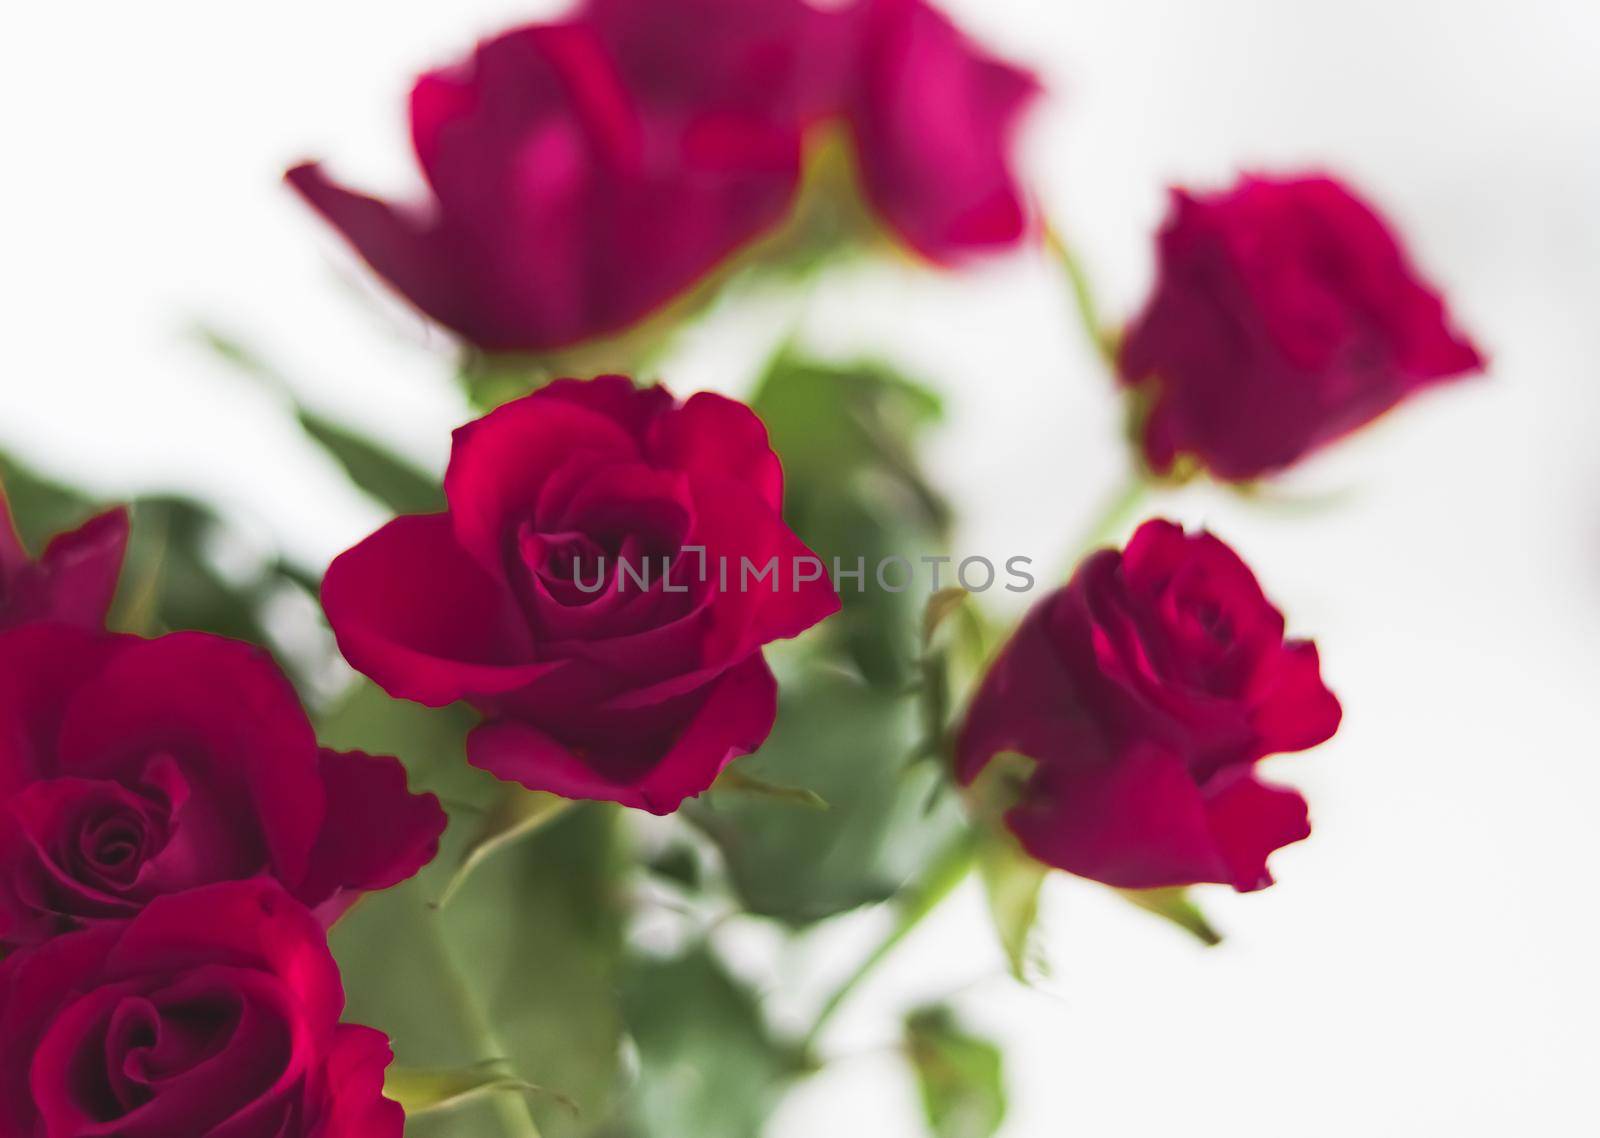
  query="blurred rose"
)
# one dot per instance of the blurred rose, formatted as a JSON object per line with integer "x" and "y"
{"x": 933, "y": 116}
{"x": 585, "y": 173}
{"x": 213, "y": 1014}
{"x": 1285, "y": 315}
{"x": 134, "y": 768}
{"x": 594, "y": 684}
{"x": 930, "y": 116}
{"x": 1146, "y": 690}
{"x": 74, "y": 579}
{"x": 565, "y": 206}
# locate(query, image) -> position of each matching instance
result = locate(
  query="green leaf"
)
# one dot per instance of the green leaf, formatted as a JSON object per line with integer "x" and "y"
{"x": 846, "y": 719}
{"x": 1177, "y": 906}
{"x": 1012, "y": 882}
{"x": 854, "y": 491}
{"x": 515, "y": 814}
{"x": 423, "y": 1090}
{"x": 961, "y": 1075}
{"x": 939, "y": 608}
{"x": 392, "y": 480}
{"x": 845, "y": 741}
{"x": 736, "y": 781}
{"x": 708, "y": 1064}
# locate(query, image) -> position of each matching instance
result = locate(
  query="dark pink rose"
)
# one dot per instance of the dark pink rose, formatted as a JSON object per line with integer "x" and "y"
{"x": 930, "y": 115}
{"x": 1285, "y": 315}
{"x": 1145, "y": 691}
{"x": 933, "y": 118}
{"x": 212, "y": 1014}
{"x": 565, "y": 206}
{"x": 74, "y": 579}
{"x": 131, "y": 769}
{"x": 594, "y": 683}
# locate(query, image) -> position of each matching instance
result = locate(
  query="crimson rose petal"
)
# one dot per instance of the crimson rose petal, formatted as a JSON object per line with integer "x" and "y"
{"x": 73, "y": 581}
{"x": 933, "y": 118}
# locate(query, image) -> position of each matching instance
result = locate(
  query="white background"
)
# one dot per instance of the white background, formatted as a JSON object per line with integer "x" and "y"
{"x": 1426, "y": 964}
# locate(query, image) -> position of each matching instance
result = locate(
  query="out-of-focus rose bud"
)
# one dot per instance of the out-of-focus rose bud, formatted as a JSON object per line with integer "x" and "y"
{"x": 1285, "y": 315}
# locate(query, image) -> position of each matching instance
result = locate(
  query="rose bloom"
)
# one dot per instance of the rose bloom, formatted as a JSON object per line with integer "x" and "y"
{"x": 592, "y": 683}
{"x": 212, "y": 1014}
{"x": 130, "y": 769}
{"x": 73, "y": 581}
{"x": 564, "y": 207}
{"x": 1285, "y": 315}
{"x": 1145, "y": 691}
{"x": 587, "y": 172}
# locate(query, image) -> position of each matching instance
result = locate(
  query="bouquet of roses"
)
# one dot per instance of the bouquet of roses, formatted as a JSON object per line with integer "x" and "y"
{"x": 645, "y": 662}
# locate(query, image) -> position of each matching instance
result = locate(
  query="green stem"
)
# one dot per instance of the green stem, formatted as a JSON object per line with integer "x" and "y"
{"x": 514, "y": 1111}
{"x": 1104, "y": 340}
{"x": 948, "y": 869}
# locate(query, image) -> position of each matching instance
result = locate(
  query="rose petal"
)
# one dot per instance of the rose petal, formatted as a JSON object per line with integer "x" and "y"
{"x": 376, "y": 834}
{"x": 414, "y": 612}
{"x": 735, "y": 718}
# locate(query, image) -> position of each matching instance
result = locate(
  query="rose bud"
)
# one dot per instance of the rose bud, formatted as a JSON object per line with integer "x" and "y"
{"x": 74, "y": 579}
{"x": 1145, "y": 691}
{"x": 133, "y": 768}
{"x": 212, "y": 1014}
{"x": 586, "y": 591}
{"x": 1285, "y": 315}
{"x": 565, "y": 207}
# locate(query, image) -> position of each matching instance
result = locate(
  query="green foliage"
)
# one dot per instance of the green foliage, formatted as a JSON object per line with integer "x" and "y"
{"x": 423, "y": 1090}
{"x": 846, "y": 742}
{"x": 512, "y": 816}
{"x": 848, "y": 720}
{"x": 961, "y": 1075}
{"x": 392, "y": 480}
{"x": 1177, "y": 906}
{"x": 853, "y": 489}
{"x": 523, "y": 965}
{"x": 708, "y": 1065}
{"x": 1012, "y": 882}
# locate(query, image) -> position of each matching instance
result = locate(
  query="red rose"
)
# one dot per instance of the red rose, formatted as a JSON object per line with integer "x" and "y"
{"x": 565, "y": 206}
{"x": 1146, "y": 690}
{"x": 73, "y": 581}
{"x": 1285, "y": 315}
{"x": 595, "y": 683}
{"x": 213, "y": 1014}
{"x": 135, "y": 768}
